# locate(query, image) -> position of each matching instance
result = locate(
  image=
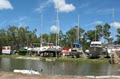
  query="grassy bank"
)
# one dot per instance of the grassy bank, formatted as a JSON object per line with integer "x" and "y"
{"x": 65, "y": 59}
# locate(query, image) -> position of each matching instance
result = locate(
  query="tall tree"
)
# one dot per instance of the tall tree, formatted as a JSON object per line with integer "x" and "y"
{"x": 106, "y": 31}
{"x": 72, "y": 35}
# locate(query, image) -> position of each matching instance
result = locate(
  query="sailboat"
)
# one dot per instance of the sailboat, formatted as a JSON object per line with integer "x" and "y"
{"x": 96, "y": 48}
{"x": 113, "y": 50}
{"x": 76, "y": 49}
{"x": 50, "y": 48}
{"x": 39, "y": 49}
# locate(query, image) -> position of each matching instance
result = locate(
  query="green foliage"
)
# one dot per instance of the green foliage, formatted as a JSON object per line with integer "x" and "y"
{"x": 106, "y": 31}
{"x": 18, "y": 37}
{"x": 72, "y": 35}
{"x": 118, "y": 36}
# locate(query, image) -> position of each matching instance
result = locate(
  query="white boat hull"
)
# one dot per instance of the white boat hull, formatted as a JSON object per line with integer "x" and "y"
{"x": 26, "y": 71}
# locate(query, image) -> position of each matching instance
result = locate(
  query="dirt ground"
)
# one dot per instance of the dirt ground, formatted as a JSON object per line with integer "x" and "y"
{"x": 11, "y": 75}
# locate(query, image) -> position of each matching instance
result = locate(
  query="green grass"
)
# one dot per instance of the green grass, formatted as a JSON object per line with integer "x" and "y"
{"x": 13, "y": 56}
{"x": 65, "y": 59}
{"x": 69, "y": 59}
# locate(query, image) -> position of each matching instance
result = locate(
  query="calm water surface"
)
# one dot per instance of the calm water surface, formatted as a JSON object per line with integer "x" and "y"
{"x": 60, "y": 68}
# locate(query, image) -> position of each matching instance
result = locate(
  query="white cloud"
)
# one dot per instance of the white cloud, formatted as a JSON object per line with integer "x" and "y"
{"x": 43, "y": 5}
{"x": 95, "y": 23}
{"x": 84, "y": 5}
{"x": 115, "y": 24}
{"x": 54, "y": 28}
{"x": 5, "y": 4}
{"x": 62, "y": 6}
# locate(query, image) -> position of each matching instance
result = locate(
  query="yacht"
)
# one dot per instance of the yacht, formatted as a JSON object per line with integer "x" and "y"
{"x": 95, "y": 49}
{"x": 76, "y": 50}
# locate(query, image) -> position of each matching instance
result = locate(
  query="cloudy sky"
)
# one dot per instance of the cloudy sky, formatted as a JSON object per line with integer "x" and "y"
{"x": 28, "y": 13}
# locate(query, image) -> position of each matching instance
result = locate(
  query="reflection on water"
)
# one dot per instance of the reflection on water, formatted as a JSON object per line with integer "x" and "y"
{"x": 61, "y": 68}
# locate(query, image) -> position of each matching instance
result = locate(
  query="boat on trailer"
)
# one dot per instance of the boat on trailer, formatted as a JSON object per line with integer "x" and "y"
{"x": 76, "y": 50}
{"x": 95, "y": 49}
{"x": 113, "y": 48}
{"x": 52, "y": 50}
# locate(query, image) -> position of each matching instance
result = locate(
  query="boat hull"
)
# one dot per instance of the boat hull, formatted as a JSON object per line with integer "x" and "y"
{"x": 95, "y": 51}
{"x": 26, "y": 71}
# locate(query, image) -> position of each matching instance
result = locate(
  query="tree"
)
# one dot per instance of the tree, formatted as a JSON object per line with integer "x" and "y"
{"x": 118, "y": 36}
{"x": 73, "y": 34}
{"x": 99, "y": 32}
{"x": 91, "y": 35}
{"x": 106, "y": 31}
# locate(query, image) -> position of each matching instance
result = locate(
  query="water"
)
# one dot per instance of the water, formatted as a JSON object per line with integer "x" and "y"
{"x": 60, "y": 68}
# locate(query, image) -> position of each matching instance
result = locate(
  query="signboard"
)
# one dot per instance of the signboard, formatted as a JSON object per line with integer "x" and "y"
{"x": 6, "y": 50}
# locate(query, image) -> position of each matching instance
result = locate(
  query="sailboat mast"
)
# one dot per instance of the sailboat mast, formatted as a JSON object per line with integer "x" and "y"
{"x": 41, "y": 29}
{"x": 58, "y": 26}
{"x": 78, "y": 27}
{"x": 95, "y": 34}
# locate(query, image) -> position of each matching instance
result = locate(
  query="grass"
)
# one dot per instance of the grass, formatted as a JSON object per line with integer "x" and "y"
{"x": 13, "y": 56}
{"x": 69, "y": 59}
{"x": 65, "y": 59}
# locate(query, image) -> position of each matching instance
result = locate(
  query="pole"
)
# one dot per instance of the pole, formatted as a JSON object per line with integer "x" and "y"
{"x": 95, "y": 34}
{"x": 57, "y": 24}
{"x": 41, "y": 28}
{"x": 78, "y": 28}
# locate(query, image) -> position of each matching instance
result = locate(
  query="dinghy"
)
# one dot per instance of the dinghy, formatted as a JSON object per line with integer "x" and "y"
{"x": 26, "y": 71}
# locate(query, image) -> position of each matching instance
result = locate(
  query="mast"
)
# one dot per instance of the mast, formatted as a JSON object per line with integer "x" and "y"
{"x": 78, "y": 27}
{"x": 113, "y": 20}
{"x": 95, "y": 34}
{"x": 41, "y": 29}
{"x": 58, "y": 25}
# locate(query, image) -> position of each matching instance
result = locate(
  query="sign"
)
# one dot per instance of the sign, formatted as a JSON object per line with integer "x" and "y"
{"x": 6, "y": 50}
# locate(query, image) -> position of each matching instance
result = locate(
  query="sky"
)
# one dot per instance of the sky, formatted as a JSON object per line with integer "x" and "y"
{"x": 28, "y": 13}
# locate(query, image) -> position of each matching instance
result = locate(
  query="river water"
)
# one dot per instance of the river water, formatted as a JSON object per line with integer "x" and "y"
{"x": 60, "y": 68}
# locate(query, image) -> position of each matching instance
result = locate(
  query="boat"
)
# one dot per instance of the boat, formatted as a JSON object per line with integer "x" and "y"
{"x": 51, "y": 50}
{"x": 66, "y": 51}
{"x": 113, "y": 48}
{"x": 26, "y": 71}
{"x": 76, "y": 50}
{"x": 95, "y": 49}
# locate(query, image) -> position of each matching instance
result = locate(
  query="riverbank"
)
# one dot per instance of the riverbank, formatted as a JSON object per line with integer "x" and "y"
{"x": 11, "y": 75}
{"x": 65, "y": 59}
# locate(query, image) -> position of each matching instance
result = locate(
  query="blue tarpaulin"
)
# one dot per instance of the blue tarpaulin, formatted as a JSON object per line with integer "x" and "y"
{"x": 76, "y": 44}
{"x": 115, "y": 43}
